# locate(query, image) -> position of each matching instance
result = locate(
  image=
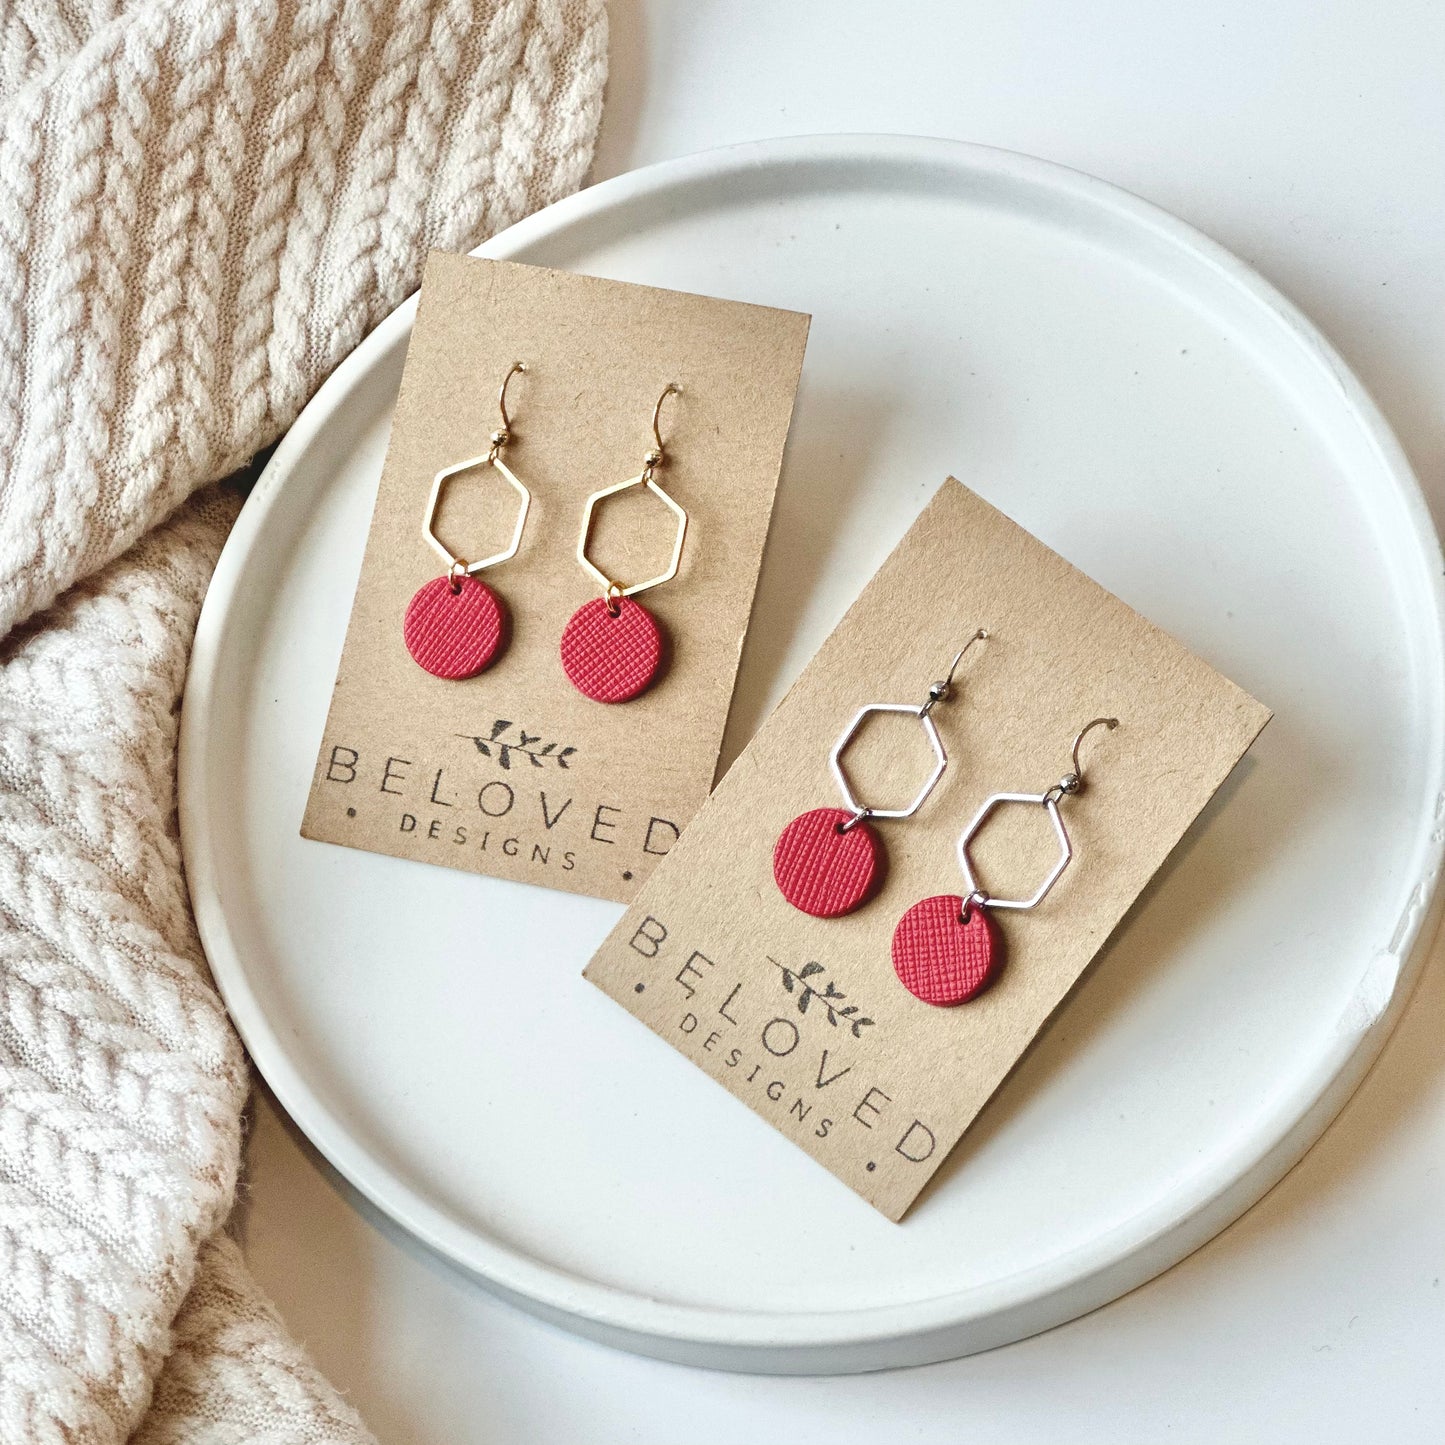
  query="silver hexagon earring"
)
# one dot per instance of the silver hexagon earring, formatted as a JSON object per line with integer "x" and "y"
{"x": 828, "y": 862}
{"x": 454, "y": 623}
{"x": 946, "y": 949}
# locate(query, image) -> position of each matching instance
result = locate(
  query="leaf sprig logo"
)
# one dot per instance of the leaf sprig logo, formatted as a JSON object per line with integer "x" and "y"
{"x": 502, "y": 749}
{"x": 826, "y": 992}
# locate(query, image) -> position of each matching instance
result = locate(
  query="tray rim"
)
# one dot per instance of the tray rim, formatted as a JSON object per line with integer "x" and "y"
{"x": 875, "y": 1337}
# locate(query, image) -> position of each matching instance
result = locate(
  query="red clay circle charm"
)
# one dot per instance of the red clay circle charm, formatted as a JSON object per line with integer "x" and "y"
{"x": 940, "y": 958}
{"x": 823, "y": 871}
{"x": 611, "y": 657}
{"x": 453, "y": 633}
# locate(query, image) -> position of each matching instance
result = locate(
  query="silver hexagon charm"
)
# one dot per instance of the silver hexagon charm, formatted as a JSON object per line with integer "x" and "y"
{"x": 930, "y": 731}
{"x": 1066, "y": 851}
{"x": 487, "y": 459}
{"x": 643, "y": 479}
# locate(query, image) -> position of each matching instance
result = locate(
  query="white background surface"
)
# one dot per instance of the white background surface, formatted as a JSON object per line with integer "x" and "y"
{"x": 1310, "y": 138}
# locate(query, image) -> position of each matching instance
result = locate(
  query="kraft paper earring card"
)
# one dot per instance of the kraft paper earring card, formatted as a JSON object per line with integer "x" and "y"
{"x": 559, "y": 575}
{"x": 832, "y": 1028}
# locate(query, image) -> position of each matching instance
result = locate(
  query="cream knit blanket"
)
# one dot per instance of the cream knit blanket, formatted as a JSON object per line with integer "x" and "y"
{"x": 204, "y": 204}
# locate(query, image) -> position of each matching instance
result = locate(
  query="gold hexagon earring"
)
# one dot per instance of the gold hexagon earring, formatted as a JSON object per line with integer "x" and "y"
{"x": 612, "y": 646}
{"x": 454, "y": 624}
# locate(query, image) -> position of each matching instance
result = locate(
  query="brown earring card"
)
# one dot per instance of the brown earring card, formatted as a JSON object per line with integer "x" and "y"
{"x": 802, "y": 1018}
{"x": 514, "y": 773}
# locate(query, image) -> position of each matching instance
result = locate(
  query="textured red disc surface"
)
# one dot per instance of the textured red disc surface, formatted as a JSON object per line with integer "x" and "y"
{"x": 453, "y": 634}
{"x": 941, "y": 959}
{"x": 607, "y": 658}
{"x": 822, "y": 871}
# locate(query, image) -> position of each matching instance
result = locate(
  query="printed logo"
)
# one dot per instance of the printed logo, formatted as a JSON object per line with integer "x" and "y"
{"x": 502, "y": 749}
{"x": 826, "y": 992}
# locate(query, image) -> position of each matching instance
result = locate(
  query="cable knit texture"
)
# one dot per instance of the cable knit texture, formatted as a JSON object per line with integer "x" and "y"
{"x": 204, "y": 204}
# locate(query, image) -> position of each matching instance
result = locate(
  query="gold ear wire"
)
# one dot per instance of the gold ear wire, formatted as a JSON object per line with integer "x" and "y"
{"x": 613, "y": 590}
{"x": 503, "y": 434}
{"x": 658, "y": 454}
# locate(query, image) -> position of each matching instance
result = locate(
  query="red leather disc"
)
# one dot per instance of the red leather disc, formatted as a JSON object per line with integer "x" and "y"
{"x": 611, "y": 658}
{"x": 940, "y": 958}
{"x": 822, "y": 871}
{"x": 453, "y": 634}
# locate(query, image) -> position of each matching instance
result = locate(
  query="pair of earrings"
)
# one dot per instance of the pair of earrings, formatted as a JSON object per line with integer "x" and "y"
{"x": 828, "y": 862}
{"x": 611, "y": 647}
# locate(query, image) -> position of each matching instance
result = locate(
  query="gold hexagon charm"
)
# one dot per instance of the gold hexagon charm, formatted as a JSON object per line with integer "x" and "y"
{"x": 608, "y": 585}
{"x": 487, "y": 459}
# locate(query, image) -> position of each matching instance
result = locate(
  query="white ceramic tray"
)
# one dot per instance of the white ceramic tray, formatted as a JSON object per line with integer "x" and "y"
{"x": 1150, "y": 408}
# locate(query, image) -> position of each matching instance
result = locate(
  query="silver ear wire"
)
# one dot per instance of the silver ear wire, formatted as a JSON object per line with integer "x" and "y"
{"x": 1049, "y": 800}
{"x": 1073, "y": 780}
{"x": 942, "y": 690}
{"x": 939, "y": 692}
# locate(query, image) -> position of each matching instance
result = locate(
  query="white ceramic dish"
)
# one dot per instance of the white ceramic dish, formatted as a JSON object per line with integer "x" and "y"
{"x": 1148, "y": 406}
